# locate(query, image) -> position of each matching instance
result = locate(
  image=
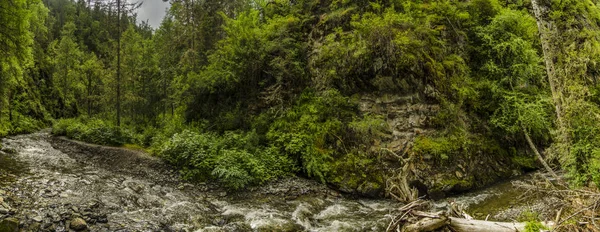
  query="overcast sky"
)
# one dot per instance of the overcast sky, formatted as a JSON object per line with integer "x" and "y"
{"x": 152, "y": 10}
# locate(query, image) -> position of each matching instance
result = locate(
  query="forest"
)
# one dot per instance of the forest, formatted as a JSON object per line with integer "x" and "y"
{"x": 377, "y": 98}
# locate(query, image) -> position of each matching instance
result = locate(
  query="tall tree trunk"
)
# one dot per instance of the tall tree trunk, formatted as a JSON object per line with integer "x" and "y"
{"x": 89, "y": 95}
{"x": 165, "y": 98}
{"x": 10, "y": 115}
{"x": 119, "y": 63}
{"x": 1, "y": 93}
{"x": 544, "y": 28}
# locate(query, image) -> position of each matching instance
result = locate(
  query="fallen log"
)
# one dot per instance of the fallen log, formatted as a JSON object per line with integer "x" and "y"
{"x": 465, "y": 225}
{"x": 462, "y": 224}
{"x": 427, "y": 224}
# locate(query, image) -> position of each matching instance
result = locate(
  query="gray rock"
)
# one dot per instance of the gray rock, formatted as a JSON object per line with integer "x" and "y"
{"x": 37, "y": 218}
{"x": 9, "y": 225}
{"x": 78, "y": 224}
{"x": 4, "y": 211}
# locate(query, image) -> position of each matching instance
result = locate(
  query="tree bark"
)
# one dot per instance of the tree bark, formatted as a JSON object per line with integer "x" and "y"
{"x": 544, "y": 30}
{"x": 427, "y": 224}
{"x": 464, "y": 225}
{"x": 89, "y": 94}
{"x": 539, "y": 156}
{"x": 119, "y": 63}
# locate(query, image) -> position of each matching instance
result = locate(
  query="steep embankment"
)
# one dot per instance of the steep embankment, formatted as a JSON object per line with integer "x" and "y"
{"x": 415, "y": 155}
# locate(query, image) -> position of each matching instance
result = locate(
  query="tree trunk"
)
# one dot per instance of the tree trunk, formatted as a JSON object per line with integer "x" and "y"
{"x": 89, "y": 95}
{"x": 544, "y": 30}
{"x": 10, "y": 110}
{"x": 119, "y": 63}
{"x": 439, "y": 222}
{"x": 1, "y": 93}
{"x": 464, "y": 225}
{"x": 539, "y": 156}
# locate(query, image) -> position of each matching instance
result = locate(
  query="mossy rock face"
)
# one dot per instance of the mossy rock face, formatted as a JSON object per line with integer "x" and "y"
{"x": 9, "y": 225}
{"x": 367, "y": 186}
{"x": 452, "y": 185}
{"x": 357, "y": 174}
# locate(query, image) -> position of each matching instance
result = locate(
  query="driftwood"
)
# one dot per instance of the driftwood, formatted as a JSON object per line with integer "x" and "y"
{"x": 427, "y": 224}
{"x": 461, "y": 224}
{"x": 439, "y": 220}
{"x": 465, "y": 225}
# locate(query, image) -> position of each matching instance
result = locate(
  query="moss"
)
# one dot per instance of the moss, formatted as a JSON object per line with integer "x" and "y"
{"x": 357, "y": 173}
{"x": 453, "y": 185}
{"x": 526, "y": 162}
{"x": 438, "y": 147}
{"x": 135, "y": 147}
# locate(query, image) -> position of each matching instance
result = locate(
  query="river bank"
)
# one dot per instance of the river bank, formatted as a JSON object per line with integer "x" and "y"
{"x": 54, "y": 184}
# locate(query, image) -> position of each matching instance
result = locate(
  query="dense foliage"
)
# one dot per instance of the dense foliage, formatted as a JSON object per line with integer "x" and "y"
{"x": 246, "y": 91}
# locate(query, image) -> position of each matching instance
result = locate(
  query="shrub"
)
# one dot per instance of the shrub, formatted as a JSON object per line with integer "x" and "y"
{"x": 92, "y": 131}
{"x": 20, "y": 124}
{"x": 234, "y": 159}
{"x": 310, "y": 131}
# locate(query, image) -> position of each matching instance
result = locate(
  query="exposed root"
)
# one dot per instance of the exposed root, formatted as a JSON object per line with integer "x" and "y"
{"x": 397, "y": 186}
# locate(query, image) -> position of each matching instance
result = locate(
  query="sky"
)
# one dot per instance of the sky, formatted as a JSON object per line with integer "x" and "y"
{"x": 152, "y": 10}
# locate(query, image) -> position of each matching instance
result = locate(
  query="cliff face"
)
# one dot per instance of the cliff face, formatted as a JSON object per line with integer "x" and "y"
{"x": 404, "y": 169}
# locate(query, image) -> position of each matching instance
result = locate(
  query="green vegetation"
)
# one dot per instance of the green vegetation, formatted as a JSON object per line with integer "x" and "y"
{"x": 246, "y": 91}
{"x": 234, "y": 159}
{"x": 532, "y": 221}
{"x": 93, "y": 131}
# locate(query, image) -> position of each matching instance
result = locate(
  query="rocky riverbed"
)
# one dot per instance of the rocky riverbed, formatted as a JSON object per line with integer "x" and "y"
{"x": 55, "y": 184}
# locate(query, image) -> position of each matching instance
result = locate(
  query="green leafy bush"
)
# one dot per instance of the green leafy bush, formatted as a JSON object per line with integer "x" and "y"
{"x": 310, "y": 131}
{"x": 234, "y": 159}
{"x": 92, "y": 131}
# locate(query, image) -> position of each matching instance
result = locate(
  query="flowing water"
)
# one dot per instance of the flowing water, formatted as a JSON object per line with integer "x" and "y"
{"x": 47, "y": 182}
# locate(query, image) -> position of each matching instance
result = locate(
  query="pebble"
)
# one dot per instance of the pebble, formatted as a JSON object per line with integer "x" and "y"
{"x": 4, "y": 211}
{"x": 38, "y": 218}
{"x": 78, "y": 224}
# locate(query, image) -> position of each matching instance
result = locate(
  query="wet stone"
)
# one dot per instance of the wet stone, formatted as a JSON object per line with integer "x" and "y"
{"x": 101, "y": 218}
{"x": 78, "y": 224}
{"x": 37, "y": 219}
{"x": 46, "y": 225}
{"x": 4, "y": 211}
